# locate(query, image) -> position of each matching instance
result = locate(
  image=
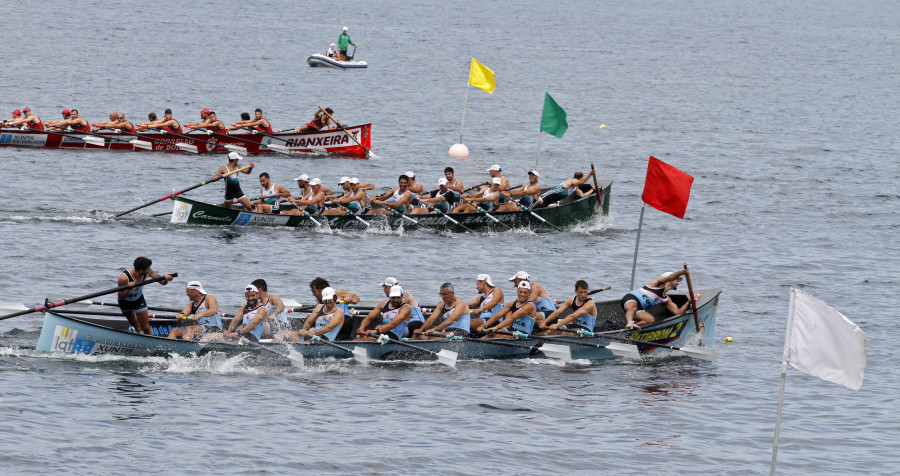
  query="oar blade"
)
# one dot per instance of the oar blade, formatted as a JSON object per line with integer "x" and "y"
{"x": 278, "y": 148}
{"x": 142, "y": 144}
{"x": 556, "y": 351}
{"x": 236, "y": 148}
{"x": 447, "y": 357}
{"x": 94, "y": 140}
{"x": 629, "y": 351}
{"x": 296, "y": 358}
{"x": 361, "y": 354}
{"x": 288, "y": 302}
{"x": 702, "y": 353}
{"x": 7, "y": 307}
{"x": 187, "y": 147}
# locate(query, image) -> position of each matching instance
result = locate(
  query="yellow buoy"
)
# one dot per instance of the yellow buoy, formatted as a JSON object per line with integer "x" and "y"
{"x": 728, "y": 339}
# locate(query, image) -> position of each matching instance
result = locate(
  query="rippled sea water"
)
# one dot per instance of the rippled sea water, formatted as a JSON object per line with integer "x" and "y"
{"x": 785, "y": 115}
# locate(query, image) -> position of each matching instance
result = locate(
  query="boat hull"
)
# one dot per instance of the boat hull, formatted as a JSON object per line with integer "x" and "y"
{"x": 322, "y": 60}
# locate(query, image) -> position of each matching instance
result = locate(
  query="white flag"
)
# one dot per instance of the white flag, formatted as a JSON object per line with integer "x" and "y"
{"x": 823, "y": 342}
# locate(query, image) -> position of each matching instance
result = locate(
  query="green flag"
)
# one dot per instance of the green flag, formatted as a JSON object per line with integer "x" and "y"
{"x": 553, "y": 119}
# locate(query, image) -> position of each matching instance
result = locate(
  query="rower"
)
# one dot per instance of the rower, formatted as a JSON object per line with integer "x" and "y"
{"x": 203, "y": 310}
{"x": 566, "y": 188}
{"x": 145, "y": 125}
{"x": 16, "y": 115}
{"x": 232, "y": 182}
{"x": 250, "y": 320}
{"x": 276, "y": 313}
{"x": 124, "y": 125}
{"x": 442, "y": 200}
{"x": 539, "y": 294}
{"x": 28, "y": 120}
{"x": 204, "y": 119}
{"x": 258, "y": 124}
{"x": 324, "y": 321}
{"x": 487, "y": 198}
{"x": 269, "y": 195}
{"x": 487, "y": 304}
{"x": 317, "y": 287}
{"x": 212, "y": 124}
{"x": 527, "y": 194}
{"x": 55, "y": 124}
{"x": 394, "y": 314}
{"x": 352, "y": 202}
{"x": 495, "y": 172}
{"x": 451, "y": 317}
{"x": 637, "y": 302}
{"x": 73, "y": 123}
{"x": 311, "y": 204}
{"x": 416, "y": 317}
{"x": 113, "y": 120}
{"x": 412, "y": 185}
{"x": 583, "y": 314}
{"x": 166, "y": 124}
{"x": 343, "y": 42}
{"x": 319, "y": 122}
{"x": 519, "y": 315}
{"x": 453, "y": 182}
{"x": 131, "y": 301}
{"x": 396, "y": 200}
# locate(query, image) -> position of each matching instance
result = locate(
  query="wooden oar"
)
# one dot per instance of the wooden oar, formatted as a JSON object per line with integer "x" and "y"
{"x": 193, "y": 148}
{"x": 182, "y": 191}
{"x": 621, "y": 350}
{"x": 89, "y": 139}
{"x": 446, "y": 357}
{"x": 550, "y": 350}
{"x": 687, "y": 275}
{"x": 85, "y": 297}
{"x": 359, "y": 352}
{"x": 596, "y": 187}
{"x": 369, "y": 153}
{"x": 702, "y": 353}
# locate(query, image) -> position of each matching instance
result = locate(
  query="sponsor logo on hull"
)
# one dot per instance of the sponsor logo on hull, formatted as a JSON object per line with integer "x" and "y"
{"x": 180, "y": 212}
{"x": 35, "y": 140}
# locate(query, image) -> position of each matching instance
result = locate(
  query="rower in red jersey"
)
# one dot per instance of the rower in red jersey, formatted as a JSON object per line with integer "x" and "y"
{"x": 258, "y": 124}
{"x": 28, "y": 120}
{"x": 167, "y": 124}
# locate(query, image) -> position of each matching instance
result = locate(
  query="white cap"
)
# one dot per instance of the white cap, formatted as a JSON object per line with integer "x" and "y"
{"x": 303, "y": 177}
{"x": 486, "y": 278}
{"x": 343, "y": 179}
{"x": 494, "y": 167}
{"x": 251, "y": 287}
{"x": 234, "y": 156}
{"x": 520, "y": 275}
{"x": 497, "y": 180}
{"x": 396, "y": 291}
{"x": 534, "y": 172}
{"x": 315, "y": 181}
{"x": 345, "y": 28}
{"x": 354, "y": 180}
{"x": 327, "y": 293}
{"x": 410, "y": 174}
{"x": 524, "y": 284}
{"x": 390, "y": 281}
{"x": 442, "y": 181}
{"x": 671, "y": 273}
{"x": 195, "y": 285}
{"x": 332, "y": 45}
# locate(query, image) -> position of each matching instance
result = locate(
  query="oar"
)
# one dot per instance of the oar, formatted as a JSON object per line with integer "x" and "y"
{"x": 361, "y": 220}
{"x": 702, "y": 353}
{"x": 596, "y": 187}
{"x": 496, "y": 220}
{"x": 622, "y": 350}
{"x": 274, "y": 147}
{"x": 85, "y": 297}
{"x": 296, "y": 359}
{"x": 369, "y": 153}
{"x": 529, "y": 210}
{"x": 359, "y": 352}
{"x": 193, "y": 148}
{"x": 407, "y": 217}
{"x": 598, "y": 290}
{"x": 446, "y": 357}
{"x": 93, "y": 140}
{"x": 182, "y": 191}
{"x": 691, "y": 296}
{"x": 455, "y": 222}
{"x": 550, "y": 350}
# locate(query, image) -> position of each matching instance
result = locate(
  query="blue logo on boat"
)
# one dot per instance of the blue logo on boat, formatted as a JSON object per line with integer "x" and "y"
{"x": 5, "y": 138}
{"x": 243, "y": 219}
{"x": 83, "y": 346}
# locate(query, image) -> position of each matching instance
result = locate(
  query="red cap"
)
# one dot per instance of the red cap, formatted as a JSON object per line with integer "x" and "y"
{"x": 27, "y": 109}
{"x": 66, "y": 112}
{"x": 205, "y": 111}
{"x": 17, "y": 113}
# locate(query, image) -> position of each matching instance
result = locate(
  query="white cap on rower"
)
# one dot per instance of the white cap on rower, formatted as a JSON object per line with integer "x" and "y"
{"x": 671, "y": 273}
{"x": 390, "y": 281}
{"x": 354, "y": 180}
{"x": 524, "y": 284}
{"x": 495, "y": 167}
{"x": 410, "y": 174}
{"x": 442, "y": 181}
{"x": 234, "y": 156}
{"x": 195, "y": 285}
{"x": 303, "y": 177}
{"x": 497, "y": 180}
{"x": 486, "y": 278}
{"x": 343, "y": 179}
{"x": 251, "y": 287}
{"x": 327, "y": 293}
{"x": 315, "y": 181}
{"x": 534, "y": 172}
{"x": 396, "y": 291}
{"x": 520, "y": 275}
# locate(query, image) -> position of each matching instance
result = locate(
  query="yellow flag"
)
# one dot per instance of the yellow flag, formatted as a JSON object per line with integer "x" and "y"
{"x": 482, "y": 77}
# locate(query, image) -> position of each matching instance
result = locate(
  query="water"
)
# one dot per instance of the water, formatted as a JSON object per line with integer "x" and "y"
{"x": 784, "y": 114}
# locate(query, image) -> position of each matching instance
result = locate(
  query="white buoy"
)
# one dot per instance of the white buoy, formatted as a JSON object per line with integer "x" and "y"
{"x": 459, "y": 151}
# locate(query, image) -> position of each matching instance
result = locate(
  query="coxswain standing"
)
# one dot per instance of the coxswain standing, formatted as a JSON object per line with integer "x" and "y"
{"x": 233, "y": 183}
{"x": 131, "y": 301}
{"x": 270, "y": 195}
{"x": 343, "y": 43}
{"x": 203, "y": 309}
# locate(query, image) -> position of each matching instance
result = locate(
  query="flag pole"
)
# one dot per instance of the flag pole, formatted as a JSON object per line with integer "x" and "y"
{"x": 636, "y": 243}
{"x": 541, "y": 133}
{"x": 465, "y": 103}
{"x": 784, "y": 363}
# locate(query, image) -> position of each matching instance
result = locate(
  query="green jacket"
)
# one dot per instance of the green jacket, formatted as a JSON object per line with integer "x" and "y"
{"x": 343, "y": 41}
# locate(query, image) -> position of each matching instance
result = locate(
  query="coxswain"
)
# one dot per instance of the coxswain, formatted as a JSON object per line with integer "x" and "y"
{"x": 487, "y": 199}
{"x": 276, "y": 313}
{"x": 312, "y": 203}
{"x": 250, "y": 320}
{"x": 394, "y": 317}
{"x": 113, "y": 120}
{"x": 539, "y": 295}
{"x": 489, "y": 302}
{"x": 16, "y": 115}
{"x": 583, "y": 315}
{"x": 526, "y": 194}
{"x": 443, "y": 199}
{"x": 343, "y": 43}
{"x": 450, "y": 317}
{"x": 566, "y": 188}
{"x": 519, "y": 315}
{"x": 28, "y": 120}
{"x": 637, "y": 302}
{"x": 258, "y": 124}
{"x": 131, "y": 301}
{"x": 354, "y": 200}
{"x": 325, "y": 320}
{"x": 203, "y": 313}
{"x": 204, "y": 119}
{"x": 269, "y": 195}
{"x": 320, "y": 121}
{"x": 396, "y": 200}
{"x": 232, "y": 182}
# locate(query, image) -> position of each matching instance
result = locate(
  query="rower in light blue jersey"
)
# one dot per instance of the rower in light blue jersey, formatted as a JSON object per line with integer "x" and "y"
{"x": 201, "y": 314}
{"x": 487, "y": 304}
{"x": 637, "y": 302}
{"x": 519, "y": 315}
{"x": 583, "y": 313}
{"x": 250, "y": 320}
{"x": 393, "y": 314}
{"x": 276, "y": 313}
{"x": 416, "y": 317}
{"x": 450, "y": 317}
{"x": 324, "y": 321}
{"x": 542, "y": 300}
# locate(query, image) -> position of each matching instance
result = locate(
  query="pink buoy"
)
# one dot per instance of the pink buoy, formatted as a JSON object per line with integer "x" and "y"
{"x": 459, "y": 151}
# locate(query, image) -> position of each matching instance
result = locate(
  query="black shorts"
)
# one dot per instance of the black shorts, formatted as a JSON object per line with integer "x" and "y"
{"x": 233, "y": 192}
{"x": 631, "y": 297}
{"x": 138, "y": 305}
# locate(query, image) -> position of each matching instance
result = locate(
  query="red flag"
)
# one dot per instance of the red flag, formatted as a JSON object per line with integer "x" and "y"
{"x": 666, "y": 189}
